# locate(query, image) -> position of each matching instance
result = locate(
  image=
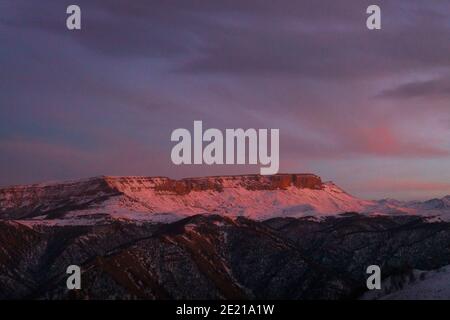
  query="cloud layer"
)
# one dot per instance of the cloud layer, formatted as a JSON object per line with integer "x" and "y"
{"x": 104, "y": 100}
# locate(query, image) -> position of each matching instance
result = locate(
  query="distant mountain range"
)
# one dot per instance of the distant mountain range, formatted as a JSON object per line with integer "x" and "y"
{"x": 287, "y": 236}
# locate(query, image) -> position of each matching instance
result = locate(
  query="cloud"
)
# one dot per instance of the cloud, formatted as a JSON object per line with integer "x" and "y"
{"x": 379, "y": 140}
{"x": 336, "y": 45}
{"x": 113, "y": 28}
{"x": 302, "y": 38}
{"x": 107, "y": 98}
{"x": 420, "y": 89}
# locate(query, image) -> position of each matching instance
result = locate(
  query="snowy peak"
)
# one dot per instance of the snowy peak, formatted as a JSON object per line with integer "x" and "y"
{"x": 434, "y": 209}
{"x": 443, "y": 203}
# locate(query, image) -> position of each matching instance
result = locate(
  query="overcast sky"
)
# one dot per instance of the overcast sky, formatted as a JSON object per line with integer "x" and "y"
{"x": 369, "y": 110}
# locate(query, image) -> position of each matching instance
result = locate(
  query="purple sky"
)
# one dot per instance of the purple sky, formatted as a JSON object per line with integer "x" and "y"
{"x": 369, "y": 110}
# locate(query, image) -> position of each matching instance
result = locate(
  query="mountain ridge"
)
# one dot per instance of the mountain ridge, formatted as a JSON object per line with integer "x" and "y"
{"x": 217, "y": 257}
{"x": 162, "y": 199}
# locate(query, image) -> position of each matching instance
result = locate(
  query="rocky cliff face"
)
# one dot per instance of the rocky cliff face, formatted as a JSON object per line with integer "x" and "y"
{"x": 187, "y": 185}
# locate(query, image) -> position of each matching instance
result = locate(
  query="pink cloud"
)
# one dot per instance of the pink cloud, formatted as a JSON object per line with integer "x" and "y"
{"x": 376, "y": 139}
{"x": 384, "y": 140}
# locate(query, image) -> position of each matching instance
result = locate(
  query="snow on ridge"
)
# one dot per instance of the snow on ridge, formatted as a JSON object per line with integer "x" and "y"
{"x": 236, "y": 201}
{"x": 137, "y": 198}
{"x": 51, "y": 183}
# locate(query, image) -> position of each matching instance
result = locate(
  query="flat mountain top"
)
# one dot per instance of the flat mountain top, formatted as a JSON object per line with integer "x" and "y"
{"x": 161, "y": 199}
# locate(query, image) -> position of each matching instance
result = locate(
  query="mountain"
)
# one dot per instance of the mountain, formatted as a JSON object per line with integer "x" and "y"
{"x": 287, "y": 236}
{"x": 162, "y": 199}
{"x": 217, "y": 257}
{"x": 433, "y": 209}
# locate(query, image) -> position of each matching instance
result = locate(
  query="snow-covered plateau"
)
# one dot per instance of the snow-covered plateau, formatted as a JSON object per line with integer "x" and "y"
{"x": 161, "y": 199}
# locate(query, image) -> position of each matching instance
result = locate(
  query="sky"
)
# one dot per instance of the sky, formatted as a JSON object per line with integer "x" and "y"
{"x": 367, "y": 109}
